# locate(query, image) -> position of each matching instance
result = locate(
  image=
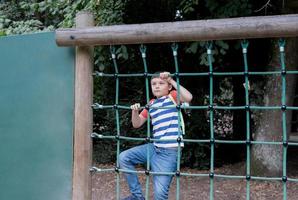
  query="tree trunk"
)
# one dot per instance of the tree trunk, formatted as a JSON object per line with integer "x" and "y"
{"x": 267, "y": 159}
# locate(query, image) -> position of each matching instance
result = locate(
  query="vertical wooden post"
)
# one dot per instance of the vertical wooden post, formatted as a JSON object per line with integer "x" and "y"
{"x": 83, "y": 114}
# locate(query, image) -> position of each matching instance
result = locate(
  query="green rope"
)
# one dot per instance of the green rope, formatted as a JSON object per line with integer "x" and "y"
{"x": 244, "y": 45}
{"x": 281, "y": 43}
{"x": 211, "y": 118}
{"x": 277, "y": 73}
{"x": 143, "y": 54}
{"x": 112, "y": 50}
{"x": 175, "y": 54}
{"x": 127, "y": 107}
{"x": 212, "y": 141}
{"x": 100, "y": 136}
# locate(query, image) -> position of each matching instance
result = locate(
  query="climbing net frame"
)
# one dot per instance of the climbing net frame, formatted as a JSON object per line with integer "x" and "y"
{"x": 78, "y": 37}
{"x": 211, "y": 108}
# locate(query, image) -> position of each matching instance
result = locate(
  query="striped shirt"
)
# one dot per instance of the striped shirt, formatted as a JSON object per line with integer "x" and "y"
{"x": 164, "y": 121}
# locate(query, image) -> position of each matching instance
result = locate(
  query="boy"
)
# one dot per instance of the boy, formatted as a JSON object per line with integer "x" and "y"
{"x": 163, "y": 154}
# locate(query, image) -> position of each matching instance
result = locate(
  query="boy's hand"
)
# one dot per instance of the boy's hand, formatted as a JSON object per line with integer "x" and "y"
{"x": 135, "y": 106}
{"x": 165, "y": 76}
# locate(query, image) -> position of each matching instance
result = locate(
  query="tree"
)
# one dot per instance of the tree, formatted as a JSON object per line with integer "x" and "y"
{"x": 267, "y": 159}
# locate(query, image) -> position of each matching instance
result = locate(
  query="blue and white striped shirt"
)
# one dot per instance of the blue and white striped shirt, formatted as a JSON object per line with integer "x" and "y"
{"x": 164, "y": 121}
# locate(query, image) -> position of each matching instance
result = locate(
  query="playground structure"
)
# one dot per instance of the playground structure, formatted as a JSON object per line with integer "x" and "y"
{"x": 85, "y": 36}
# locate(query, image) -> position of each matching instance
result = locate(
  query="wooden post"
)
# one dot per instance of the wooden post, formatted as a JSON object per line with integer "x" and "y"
{"x": 83, "y": 114}
{"x": 196, "y": 30}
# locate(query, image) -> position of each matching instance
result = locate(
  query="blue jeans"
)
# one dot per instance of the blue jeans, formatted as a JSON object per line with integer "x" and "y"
{"x": 161, "y": 160}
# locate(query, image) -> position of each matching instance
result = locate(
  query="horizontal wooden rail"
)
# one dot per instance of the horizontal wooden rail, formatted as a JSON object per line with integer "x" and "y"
{"x": 197, "y": 30}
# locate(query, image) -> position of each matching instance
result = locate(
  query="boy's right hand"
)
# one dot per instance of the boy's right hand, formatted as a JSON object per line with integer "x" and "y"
{"x": 135, "y": 106}
{"x": 166, "y": 76}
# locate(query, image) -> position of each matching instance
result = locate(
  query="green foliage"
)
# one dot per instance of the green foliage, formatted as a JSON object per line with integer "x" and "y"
{"x": 29, "y": 26}
{"x": 213, "y": 9}
{"x": 19, "y": 17}
{"x": 28, "y": 16}
{"x": 188, "y": 6}
{"x": 228, "y": 8}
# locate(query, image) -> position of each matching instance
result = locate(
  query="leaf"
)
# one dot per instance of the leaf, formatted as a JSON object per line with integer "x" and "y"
{"x": 222, "y": 51}
{"x": 2, "y": 33}
{"x": 204, "y": 60}
{"x": 193, "y": 48}
{"x": 124, "y": 52}
{"x": 96, "y": 61}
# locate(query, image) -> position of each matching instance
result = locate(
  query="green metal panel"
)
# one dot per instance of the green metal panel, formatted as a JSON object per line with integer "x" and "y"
{"x": 36, "y": 118}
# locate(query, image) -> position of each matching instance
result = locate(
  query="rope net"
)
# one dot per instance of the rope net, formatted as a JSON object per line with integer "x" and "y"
{"x": 212, "y": 141}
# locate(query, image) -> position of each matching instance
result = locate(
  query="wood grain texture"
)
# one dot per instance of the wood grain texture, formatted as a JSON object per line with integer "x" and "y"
{"x": 198, "y": 30}
{"x": 83, "y": 115}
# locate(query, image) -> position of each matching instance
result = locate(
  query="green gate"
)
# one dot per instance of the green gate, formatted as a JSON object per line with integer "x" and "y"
{"x": 36, "y": 118}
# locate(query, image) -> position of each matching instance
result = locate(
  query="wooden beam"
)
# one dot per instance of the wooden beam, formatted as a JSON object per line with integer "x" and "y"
{"x": 83, "y": 115}
{"x": 215, "y": 29}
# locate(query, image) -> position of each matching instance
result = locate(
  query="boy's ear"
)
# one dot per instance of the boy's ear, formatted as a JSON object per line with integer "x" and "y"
{"x": 170, "y": 86}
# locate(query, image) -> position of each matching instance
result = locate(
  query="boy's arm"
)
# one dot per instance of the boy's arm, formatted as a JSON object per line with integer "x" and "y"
{"x": 185, "y": 95}
{"x": 137, "y": 119}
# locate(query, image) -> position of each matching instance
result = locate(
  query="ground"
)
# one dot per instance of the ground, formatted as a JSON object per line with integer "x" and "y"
{"x": 104, "y": 184}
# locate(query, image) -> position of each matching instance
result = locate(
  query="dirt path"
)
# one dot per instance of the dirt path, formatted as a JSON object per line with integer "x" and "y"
{"x": 197, "y": 188}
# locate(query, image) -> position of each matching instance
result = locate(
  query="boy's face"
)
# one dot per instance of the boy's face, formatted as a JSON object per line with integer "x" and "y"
{"x": 160, "y": 87}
